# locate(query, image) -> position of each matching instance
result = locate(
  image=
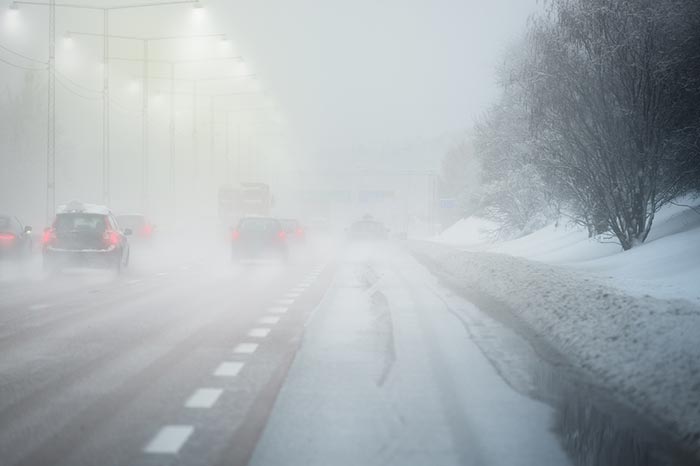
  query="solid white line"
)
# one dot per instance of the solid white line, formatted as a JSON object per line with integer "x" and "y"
{"x": 278, "y": 309}
{"x": 169, "y": 439}
{"x": 259, "y": 332}
{"x": 245, "y": 348}
{"x": 269, "y": 320}
{"x": 229, "y": 369}
{"x": 203, "y": 398}
{"x": 285, "y": 301}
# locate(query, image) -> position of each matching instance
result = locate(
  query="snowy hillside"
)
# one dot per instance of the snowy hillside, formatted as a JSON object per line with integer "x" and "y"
{"x": 667, "y": 266}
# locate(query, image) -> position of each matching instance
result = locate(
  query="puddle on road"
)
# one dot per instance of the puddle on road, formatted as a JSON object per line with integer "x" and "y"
{"x": 594, "y": 429}
{"x": 598, "y": 432}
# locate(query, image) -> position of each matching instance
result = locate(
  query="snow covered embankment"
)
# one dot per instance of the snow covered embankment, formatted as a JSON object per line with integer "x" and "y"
{"x": 645, "y": 350}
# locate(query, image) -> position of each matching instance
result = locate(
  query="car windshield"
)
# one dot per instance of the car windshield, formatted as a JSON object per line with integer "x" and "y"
{"x": 80, "y": 222}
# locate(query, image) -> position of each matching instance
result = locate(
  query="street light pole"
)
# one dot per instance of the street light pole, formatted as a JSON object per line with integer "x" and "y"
{"x": 51, "y": 119}
{"x": 51, "y": 107}
{"x": 105, "y": 110}
{"x": 145, "y": 204}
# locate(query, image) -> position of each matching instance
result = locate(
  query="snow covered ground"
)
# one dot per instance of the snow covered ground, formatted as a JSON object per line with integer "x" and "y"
{"x": 389, "y": 375}
{"x": 667, "y": 266}
{"x": 630, "y": 319}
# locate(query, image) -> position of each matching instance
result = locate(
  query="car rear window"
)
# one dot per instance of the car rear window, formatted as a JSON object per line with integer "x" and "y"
{"x": 289, "y": 224}
{"x": 368, "y": 227}
{"x": 259, "y": 225}
{"x": 80, "y": 222}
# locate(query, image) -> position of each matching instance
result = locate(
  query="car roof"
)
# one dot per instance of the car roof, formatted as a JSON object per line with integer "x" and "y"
{"x": 81, "y": 207}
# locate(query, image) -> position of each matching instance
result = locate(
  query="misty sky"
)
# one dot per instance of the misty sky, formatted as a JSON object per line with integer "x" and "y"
{"x": 376, "y": 78}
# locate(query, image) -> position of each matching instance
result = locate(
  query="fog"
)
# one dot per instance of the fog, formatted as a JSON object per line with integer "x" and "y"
{"x": 313, "y": 97}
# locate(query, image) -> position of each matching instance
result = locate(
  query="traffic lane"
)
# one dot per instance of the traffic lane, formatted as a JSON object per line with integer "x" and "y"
{"x": 388, "y": 375}
{"x": 124, "y": 364}
{"x": 243, "y": 379}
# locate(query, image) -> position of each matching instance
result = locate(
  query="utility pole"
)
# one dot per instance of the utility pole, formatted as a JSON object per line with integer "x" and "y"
{"x": 51, "y": 123}
{"x": 105, "y": 110}
{"x": 145, "y": 205}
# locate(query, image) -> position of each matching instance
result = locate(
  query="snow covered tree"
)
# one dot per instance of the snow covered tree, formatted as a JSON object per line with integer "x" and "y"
{"x": 459, "y": 176}
{"x": 613, "y": 89}
{"x": 513, "y": 192}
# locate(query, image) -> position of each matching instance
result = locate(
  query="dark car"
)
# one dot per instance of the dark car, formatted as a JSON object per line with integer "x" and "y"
{"x": 15, "y": 238}
{"x": 85, "y": 235}
{"x": 293, "y": 229}
{"x": 367, "y": 229}
{"x": 259, "y": 238}
{"x": 138, "y": 224}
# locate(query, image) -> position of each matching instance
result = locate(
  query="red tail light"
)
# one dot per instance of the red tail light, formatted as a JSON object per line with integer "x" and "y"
{"x": 49, "y": 236}
{"x": 235, "y": 234}
{"x": 7, "y": 237}
{"x": 110, "y": 238}
{"x": 147, "y": 230}
{"x": 300, "y": 232}
{"x": 282, "y": 234}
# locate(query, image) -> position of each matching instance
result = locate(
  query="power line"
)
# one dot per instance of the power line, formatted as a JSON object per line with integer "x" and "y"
{"x": 96, "y": 91}
{"x": 72, "y": 91}
{"x": 23, "y": 56}
{"x": 28, "y": 68}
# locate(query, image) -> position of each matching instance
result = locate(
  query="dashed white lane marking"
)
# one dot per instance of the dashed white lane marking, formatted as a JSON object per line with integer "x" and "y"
{"x": 169, "y": 439}
{"x": 38, "y": 307}
{"x": 162, "y": 274}
{"x": 245, "y": 348}
{"x": 259, "y": 332}
{"x": 285, "y": 301}
{"x": 132, "y": 282}
{"x": 299, "y": 289}
{"x": 229, "y": 369}
{"x": 278, "y": 309}
{"x": 203, "y": 398}
{"x": 292, "y": 295}
{"x": 269, "y": 320}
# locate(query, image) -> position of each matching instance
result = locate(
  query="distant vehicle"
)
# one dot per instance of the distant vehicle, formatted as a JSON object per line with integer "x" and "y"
{"x": 138, "y": 224}
{"x": 85, "y": 235}
{"x": 15, "y": 238}
{"x": 293, "y": 229}
{"x": 245, "y": 199}
{"x": 367, "y": 229}
{"x": 259, "y": 238}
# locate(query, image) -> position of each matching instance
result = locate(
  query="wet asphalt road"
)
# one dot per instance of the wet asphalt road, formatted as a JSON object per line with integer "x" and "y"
{"x": 178, "y": 364}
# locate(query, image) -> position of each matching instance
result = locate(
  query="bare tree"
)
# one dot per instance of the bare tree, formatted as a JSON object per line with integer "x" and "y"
{"x": 615, "y": 112}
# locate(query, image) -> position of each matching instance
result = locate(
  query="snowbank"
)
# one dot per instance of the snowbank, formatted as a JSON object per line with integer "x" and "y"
{"x": 667, "y": 266}
{"x": 473, "y": 232}
{"x": 644, "y": 350}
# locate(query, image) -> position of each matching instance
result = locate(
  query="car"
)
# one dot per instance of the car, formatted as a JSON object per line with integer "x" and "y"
{"x": 259, "y": 238}
{"x": 367, "y": 229}
{"x": 138, "y": 224}
{"x": 15, "y": 238}
{"x": 293, "y": 229}
{"x": 85, "y": 235}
